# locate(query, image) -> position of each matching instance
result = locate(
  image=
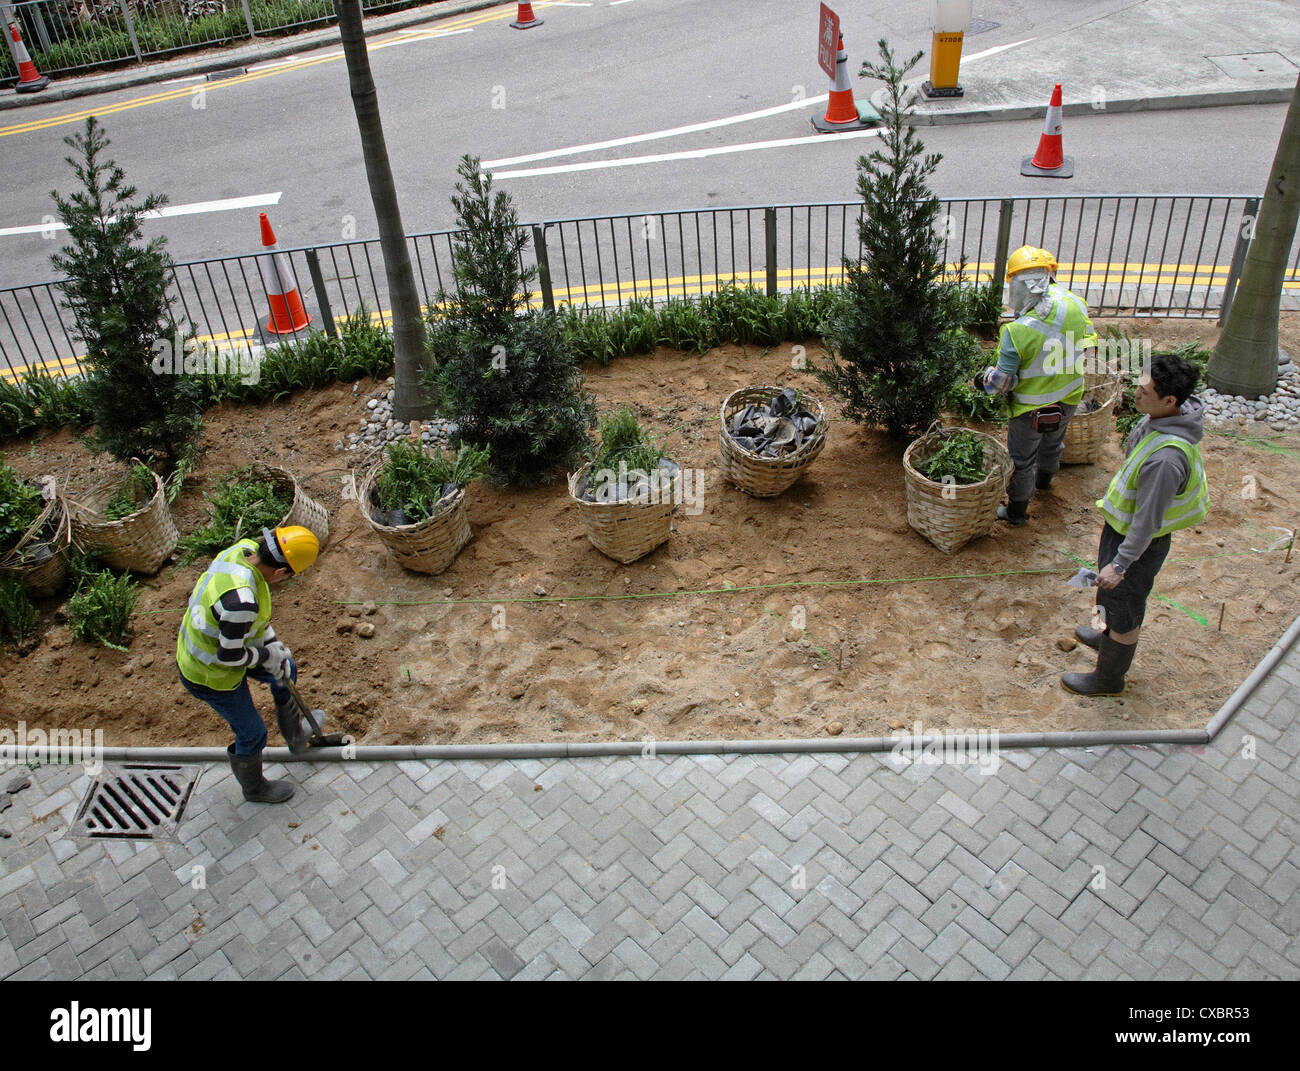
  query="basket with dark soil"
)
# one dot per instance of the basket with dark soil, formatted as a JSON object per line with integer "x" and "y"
{"x": 769, "y": 437}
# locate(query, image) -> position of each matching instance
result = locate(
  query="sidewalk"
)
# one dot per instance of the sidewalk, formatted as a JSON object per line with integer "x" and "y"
{"x": 689, "y": 867}
{"x": 1177, "y": 54}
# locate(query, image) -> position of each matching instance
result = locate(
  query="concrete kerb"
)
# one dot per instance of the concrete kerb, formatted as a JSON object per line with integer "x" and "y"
{"x": 1163, "y": 102}
{"x": 650, "y": 747}
{"x": 308, "y": 40}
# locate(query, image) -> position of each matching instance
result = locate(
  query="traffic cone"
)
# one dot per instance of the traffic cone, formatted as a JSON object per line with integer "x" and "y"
{"x": 1049, "y": 161}
{"x": 29, "y": 78}
{"x": 526, "y": 20}
{"x": 287, "y": 313}
{"x": 841, "y": 112}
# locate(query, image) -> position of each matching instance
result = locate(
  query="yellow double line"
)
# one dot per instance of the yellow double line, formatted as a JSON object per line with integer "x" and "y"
{"x": 402, "y": 37}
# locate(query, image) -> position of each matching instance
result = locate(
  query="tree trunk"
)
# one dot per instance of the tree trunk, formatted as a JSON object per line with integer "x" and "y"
{"x": 1245, "y": 360}
{"x": 409, "y": 401}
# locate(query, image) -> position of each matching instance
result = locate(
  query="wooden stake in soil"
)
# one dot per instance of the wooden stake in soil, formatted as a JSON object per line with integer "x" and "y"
{"x": 1222, "y": 606}
{"x": 1287, "y": 559}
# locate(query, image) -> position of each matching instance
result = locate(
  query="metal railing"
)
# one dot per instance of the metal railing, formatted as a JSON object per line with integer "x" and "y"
{"x": 1131, "y": 255}
{"x": 67, "y": 36}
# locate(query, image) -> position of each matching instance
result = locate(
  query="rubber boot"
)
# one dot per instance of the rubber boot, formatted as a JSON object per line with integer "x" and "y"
{"x": 291, "y": 727}
{"x": 1014, "y": 512}
{"x": 1043, "y": 481}
{"x": 257, "y": 789}
{"x": 1089, "y": 637}
{"x": 1113, "y": 661}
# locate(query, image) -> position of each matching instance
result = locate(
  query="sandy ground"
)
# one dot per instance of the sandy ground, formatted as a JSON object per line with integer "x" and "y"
{"x": 624, "y": 652}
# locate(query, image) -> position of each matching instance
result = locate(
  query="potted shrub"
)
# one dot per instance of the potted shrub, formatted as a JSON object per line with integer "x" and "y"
{"x": 769, "y": 436}
{"x": 414, "y": 500}
{"x": 627, "y": 491}
{"x": 249, "y": 499}
{"x": 955, "y": 479}
{"x": 127, "y": 520}
{"x": 34, "y": 533}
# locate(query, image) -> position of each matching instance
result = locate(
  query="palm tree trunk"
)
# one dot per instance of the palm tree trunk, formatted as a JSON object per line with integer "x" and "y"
{"x": 1245, "y": 360}
{"x": 409, "y": 400}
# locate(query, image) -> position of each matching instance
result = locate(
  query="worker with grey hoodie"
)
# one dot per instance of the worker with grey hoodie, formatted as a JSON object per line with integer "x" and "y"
{"x": 1159, "y": 489}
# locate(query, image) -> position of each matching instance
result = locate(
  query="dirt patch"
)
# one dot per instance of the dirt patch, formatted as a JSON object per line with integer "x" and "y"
{"x": 622, "y": 652}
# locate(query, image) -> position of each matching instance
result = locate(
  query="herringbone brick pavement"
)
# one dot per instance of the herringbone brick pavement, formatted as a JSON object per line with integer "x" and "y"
{"x": 1112, "y": 862}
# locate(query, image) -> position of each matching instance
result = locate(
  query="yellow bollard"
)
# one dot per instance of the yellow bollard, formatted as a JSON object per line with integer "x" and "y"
{"x": 951, "y": 19}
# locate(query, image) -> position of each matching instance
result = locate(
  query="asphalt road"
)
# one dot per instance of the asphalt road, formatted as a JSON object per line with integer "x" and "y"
{"x": 593, "y": 72}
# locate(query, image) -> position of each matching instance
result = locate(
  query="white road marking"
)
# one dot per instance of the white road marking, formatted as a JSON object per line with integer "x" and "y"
{"x": 188, "y": 78}
{"x": 257, "y": 200}
{"x": 688, "y": 154}
{"x": 615, "y": 3}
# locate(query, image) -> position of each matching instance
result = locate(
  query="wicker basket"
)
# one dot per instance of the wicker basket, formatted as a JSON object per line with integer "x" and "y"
{"x": 764, "y": 477}
{"x": 141, "y": 542}
{"x": 951, "y": 515}
{"x": 305, "y": 511}
{"x": 626, "y": 531}
{"x": 429, "y": 546}
{"x": 42, "y": 572}
{"x": 1086, "y": 433}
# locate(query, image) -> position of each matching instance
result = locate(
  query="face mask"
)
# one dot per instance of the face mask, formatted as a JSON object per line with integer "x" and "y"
{"x": 1025, "y": 290}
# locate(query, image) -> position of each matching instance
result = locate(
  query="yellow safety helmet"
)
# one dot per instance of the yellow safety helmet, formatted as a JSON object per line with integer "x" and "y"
{"x": 293, "y": 546}
{"x": 1030, "y": 256}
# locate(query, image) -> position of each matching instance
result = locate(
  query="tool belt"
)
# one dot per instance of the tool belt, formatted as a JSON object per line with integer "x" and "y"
{"x": 1046, "y": 419}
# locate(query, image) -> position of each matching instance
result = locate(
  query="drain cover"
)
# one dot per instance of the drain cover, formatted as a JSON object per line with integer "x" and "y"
{"x": 981, "y": 26}
{"x": 136, "y": 802}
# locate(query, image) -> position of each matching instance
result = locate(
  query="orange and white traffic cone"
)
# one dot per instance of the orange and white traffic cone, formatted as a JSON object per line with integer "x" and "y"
{"x": 525, "y": 19}
{"x": 287, "y": 313}
{"x": 29, "y": 78}
{"x": 1050, "y": 160}
{"x": 841, "y": 112}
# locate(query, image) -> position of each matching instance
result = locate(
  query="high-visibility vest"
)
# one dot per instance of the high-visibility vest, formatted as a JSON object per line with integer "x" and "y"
{"x": 1189, "y": 507}
{"x": 1050, "y": 351}
{"x": 198, "y": 642}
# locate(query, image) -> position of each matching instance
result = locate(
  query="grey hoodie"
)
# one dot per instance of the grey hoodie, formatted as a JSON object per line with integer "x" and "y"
{"x": 1161, "y": 477}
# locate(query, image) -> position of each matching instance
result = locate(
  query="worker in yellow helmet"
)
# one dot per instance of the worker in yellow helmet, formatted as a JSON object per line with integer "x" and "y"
{"x": 1041, "y": 360}
{"x": 226, "y": 637}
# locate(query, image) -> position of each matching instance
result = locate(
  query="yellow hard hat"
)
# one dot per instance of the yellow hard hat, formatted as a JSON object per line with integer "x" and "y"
{"x": 293, "y": 546}
{"x": 1027, "y": 257}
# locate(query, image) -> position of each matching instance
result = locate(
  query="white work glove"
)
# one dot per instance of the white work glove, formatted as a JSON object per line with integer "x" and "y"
{"x": 275, "y": 660}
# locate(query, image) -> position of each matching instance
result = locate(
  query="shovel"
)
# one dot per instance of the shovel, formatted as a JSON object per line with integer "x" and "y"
{"x": 318, "y": 738}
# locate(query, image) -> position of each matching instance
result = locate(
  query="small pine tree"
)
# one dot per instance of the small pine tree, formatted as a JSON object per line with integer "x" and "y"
{"x": 501, "y": 370}
{"x": 116, "y": 288}
{"x": 897, "y": 340}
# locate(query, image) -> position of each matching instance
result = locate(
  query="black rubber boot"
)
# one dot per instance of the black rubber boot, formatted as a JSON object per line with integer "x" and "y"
{"x": 257, "y": 789}
{"x": 1014, "y": 513}
{"x": 1090, "y": 637}
{"x": 1044, "y": 480}
{"x": 290, "y": 721}
{"x": 1113, "y": 661}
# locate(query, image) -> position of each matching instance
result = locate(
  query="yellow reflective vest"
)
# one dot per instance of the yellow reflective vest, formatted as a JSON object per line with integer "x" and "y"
{"x": 198, "y": 641}
{"x": 1050, "y": 349}
{"x": 1189, "y": 507}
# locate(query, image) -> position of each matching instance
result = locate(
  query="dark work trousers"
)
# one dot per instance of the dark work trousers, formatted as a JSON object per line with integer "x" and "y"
{"x": 1032, "y": 453}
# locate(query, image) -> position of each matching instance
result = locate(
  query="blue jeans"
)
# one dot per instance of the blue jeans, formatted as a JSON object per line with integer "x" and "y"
{"x": 236, "y": 706}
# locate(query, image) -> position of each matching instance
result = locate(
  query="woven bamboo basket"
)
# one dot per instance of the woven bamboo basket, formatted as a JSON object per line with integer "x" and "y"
{"x": 764, "y": 477}
{"x": 429, "y": 546}
{"x": 1086, "y": 433}
{"x": 305, "y": 511}
{"x": 626, "y": 531}
{"x": 42, "y": 564}
{"x": 141, "y": 542}
{"x": 951, "y": 515}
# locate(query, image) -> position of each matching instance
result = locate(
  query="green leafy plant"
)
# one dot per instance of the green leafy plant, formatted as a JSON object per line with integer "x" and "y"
{"x": 100, "y": 611}
{"x": 20, "y": 504}
{"x": 961, "y": 457}
{"x": 981, "y": 304}
{"x": 135, "y": 492}
{"x": 413, "y": 480}
{"x": 970, "y": 404}
{"x": 623, "y": 440}
{"x": 18, "y": 616}
{"x": 241, "y": 507}
{"x": 116, "y": 287}
{"x": 897, "y": 340}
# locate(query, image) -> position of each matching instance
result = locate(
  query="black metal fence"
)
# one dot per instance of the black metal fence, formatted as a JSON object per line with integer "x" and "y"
{"x": 1153, "y": 255}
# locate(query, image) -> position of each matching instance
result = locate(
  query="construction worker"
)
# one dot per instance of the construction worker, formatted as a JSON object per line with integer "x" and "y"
{"x": 226, "y": 637}
{"x": 1040, "y": 365}
{"x": 1159, "y": 489}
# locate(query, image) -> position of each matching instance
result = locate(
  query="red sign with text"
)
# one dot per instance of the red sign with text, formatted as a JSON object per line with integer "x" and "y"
{"x": 828, "y": 37}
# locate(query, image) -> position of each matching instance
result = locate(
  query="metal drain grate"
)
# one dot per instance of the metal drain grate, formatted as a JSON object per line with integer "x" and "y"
{"x": 136, "y": 802}
{"x": 981, "y": 26}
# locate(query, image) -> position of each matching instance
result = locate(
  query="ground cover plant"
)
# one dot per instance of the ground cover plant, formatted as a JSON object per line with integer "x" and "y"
{"x": 18, "y": 616}
{"x": 242, "y": 506}
{"x": 960, "y": 459}
{"x": 413, "y": 480}
{"x": 100, "y": 610}
{"x": 133, "y": 495}
{"x": 20, "y": 504}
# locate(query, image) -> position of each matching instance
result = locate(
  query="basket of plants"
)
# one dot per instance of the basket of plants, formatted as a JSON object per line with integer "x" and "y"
{"x": 127, "y": 521}
{"x": 769, "y": 436}
{"x": 955, "y": 480}
{"x": 246, "y": 500}
{"x": 34, "y": 533}
{"x": 1094, "y": 420}
{"x": 414, "y": 500}
{"x": 627, "y": 491}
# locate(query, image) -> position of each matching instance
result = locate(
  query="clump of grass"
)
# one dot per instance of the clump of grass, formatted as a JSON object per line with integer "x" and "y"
{"x": 961, "y": 457}
{"x": 241, "y": 507}
{"x": 622, "y": 439}
{"x": 413, "y": 480}
{"x": 100, "y": 611}
{"x": 18, "y": 616}
{"x": 134, "y": 494}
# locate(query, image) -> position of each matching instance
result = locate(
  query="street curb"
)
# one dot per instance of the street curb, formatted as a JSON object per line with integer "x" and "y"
{"x": 165, "y": 70}
{"x": 650, "y": 749}
{"x": 1164, "y": 102}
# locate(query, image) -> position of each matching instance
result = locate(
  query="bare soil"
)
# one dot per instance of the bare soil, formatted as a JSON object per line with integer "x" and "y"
{"x": 893, "y": 631}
